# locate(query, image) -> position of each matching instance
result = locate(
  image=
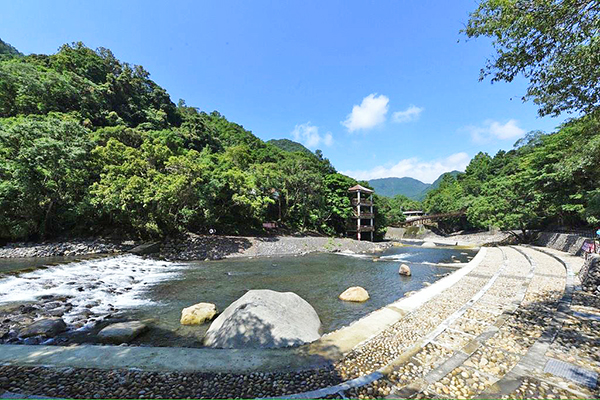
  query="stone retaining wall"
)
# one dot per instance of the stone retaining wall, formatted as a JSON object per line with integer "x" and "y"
{"x": 590, "y": 275}
{"x": 394, "y": 233}
{"x": 567, "y": 242}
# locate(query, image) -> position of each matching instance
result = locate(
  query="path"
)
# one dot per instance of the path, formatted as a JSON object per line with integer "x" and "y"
{"x": 531, "y": 334}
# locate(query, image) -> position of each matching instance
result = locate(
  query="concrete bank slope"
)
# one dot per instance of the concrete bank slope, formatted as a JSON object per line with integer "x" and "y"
{"x": 328, "y": 349}
{"x": 528, "y": 333}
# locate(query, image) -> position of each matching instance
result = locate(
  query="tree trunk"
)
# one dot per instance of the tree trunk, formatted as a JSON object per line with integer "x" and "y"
{"x": 46, "y": 219}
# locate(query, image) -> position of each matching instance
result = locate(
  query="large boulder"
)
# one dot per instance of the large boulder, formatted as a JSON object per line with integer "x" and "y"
{"x": 122, "y": 332}
{"x": 264, "y": 319}
{"x": 48, "y": 327}
{"x": 198, "y": 313}
{"x": 404, "y": 270}
{"x": 428, "y": 244}
{"x": 356, "y": 294}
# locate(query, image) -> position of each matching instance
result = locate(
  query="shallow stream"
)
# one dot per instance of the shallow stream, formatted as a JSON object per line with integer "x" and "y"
{"x": 132, "y": 287}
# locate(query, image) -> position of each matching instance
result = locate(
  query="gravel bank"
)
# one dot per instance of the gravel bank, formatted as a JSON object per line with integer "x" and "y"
{"x": 196, "y": 247}
{"x": 76, "y": 247}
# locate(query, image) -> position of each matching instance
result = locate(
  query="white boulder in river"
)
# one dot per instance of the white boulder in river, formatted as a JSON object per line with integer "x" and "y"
{"x": 198, "y": 313}
{"x": 264, "y": 319}
{"x": 404, "y": 270}
{"x": 428, "y": 244}
{"x": 356, "y": 294}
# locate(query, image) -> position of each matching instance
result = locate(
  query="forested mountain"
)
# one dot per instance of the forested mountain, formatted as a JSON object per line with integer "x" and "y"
{"x": 390, "y": 187}
{"x": 7, "y": 49}
{"x": 289, "y": 145}
{"x": 412, "y": 188}
{"x": 90, "y": 144}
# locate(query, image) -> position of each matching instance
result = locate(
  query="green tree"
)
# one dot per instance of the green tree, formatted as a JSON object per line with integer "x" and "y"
{"x": 555, "y": 44}
{"x": 44, "y": 172}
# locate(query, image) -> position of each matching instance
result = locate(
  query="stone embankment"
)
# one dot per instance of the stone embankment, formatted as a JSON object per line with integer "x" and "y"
{"x": 567, "y": 242}
{"x": 67, "y": 248}
{"x": 590, "y": 275}
{"x": 516, "y": 325}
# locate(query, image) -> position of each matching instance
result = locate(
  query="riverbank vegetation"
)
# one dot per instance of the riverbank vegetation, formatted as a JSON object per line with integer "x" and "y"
{"x": 90, "y": 145}
{"x": 547, "y": 180}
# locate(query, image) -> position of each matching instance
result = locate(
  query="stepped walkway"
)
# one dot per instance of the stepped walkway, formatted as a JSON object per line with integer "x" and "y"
{"x": 525, "y": 330}
{"x": 515, "y": 325}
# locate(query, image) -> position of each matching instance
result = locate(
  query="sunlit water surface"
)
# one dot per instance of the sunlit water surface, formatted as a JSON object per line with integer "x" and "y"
{"x": 157, "y": 291}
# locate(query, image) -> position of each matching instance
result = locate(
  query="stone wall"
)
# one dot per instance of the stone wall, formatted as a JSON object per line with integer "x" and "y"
{"x": 394, "y": 233}
{"x": 590, "y": 275}
{"x": 566, "y": 242}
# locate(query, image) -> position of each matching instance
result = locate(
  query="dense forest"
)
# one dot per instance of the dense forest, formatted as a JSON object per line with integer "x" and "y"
{"x": 91, "y": 145}
{"x": 546, "y": 181}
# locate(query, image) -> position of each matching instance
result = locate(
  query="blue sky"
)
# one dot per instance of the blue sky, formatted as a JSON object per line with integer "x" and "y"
{"x": 385, "y": 88}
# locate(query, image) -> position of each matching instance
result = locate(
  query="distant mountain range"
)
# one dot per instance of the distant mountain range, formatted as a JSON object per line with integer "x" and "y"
{"x": 390, "y": 187}
{"x": 409, "y": 187}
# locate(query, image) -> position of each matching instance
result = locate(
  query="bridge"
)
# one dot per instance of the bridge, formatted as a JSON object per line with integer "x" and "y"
{"x": 427, "y": 219}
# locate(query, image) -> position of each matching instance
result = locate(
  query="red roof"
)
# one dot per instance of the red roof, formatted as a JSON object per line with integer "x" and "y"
{"x": 359, "y": 188}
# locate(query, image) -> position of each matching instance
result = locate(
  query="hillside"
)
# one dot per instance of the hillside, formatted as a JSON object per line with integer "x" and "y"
{"x": 91, "y": 145}
{"x": 409, "y": 187}
{"x": 6, "y": 48}
{"x": 412, "y": 188}
{"x": 289, "y": 145}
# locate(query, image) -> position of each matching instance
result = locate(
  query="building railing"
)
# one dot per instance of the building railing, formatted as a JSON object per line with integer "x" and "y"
{"x": 364, "y": 215}
{"x": 362, "y": 228}
{"x": 362, "y": 202}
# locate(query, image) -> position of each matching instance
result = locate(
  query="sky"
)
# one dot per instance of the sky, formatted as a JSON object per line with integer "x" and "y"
{"x": 383, "y": 88}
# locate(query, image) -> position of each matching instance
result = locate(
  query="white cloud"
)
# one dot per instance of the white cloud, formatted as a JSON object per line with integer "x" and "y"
{"x": 491, "y": 130}
{"x": 309, "y": 136}
{"x": 412, "y": 113}
{"x": 370, "y": 113}
{"x": 425, "y": 171}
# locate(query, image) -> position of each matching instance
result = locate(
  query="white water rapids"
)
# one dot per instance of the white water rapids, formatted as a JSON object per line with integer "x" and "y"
{"x": 99, "y": 285}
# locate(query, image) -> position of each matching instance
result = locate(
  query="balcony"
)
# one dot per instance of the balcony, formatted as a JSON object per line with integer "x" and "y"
{"x": 362, "y": 228}
{"x": 364, "y": 215}
{"x": 362, "y": 202}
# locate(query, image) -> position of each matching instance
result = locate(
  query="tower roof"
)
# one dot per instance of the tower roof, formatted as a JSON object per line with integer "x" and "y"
{"x": 359, "y": 188}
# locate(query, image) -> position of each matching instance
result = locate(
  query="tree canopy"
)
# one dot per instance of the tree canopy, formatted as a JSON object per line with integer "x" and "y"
{"x": 555, "y": 44}
{"x": 547, "y": 180}
{"x": 90, "y": 144}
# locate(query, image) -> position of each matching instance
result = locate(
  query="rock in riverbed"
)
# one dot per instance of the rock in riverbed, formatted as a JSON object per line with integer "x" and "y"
{"x": 48, "y": 327}
{"x": 264, "y": 319}
{"x": 428, "y": 244}
{"x": 198, "y": 313}
{"x": 356, "y": 294}
{"x": 122, "y": 332}
{"x": 404, "y": 270}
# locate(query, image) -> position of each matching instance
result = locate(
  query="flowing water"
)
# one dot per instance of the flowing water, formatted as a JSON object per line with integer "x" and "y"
{"x": 136, "y": 288}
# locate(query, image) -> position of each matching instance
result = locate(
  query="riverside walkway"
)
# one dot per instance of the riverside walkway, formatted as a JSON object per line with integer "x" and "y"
{"x": 515, "y": 325}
